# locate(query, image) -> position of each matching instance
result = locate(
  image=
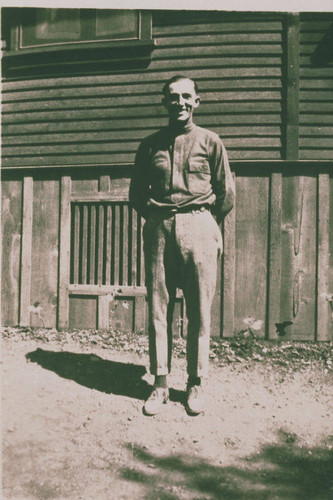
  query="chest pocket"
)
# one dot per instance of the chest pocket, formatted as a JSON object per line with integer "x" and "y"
{"x": 199, "y": 176}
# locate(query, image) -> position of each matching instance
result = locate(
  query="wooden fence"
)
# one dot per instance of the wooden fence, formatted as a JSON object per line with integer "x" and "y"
{"x": 73, "y": 252}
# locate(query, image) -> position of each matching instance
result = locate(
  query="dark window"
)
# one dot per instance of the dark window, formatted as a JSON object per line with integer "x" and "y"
{"x": 45, "y": 38}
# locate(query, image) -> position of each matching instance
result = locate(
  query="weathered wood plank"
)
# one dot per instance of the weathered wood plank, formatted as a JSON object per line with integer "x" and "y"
{"x": 45, "y": 247}
{"x": 108, "y": 248}
{"x": 116, "y": 248}
{"x": 211, "y": 50}
{"x": 134, "y": 248}
{"x": 84, "y": 186}
{"x": 251, "y": 250}
{"x": 109, "y": 147}
{"x": 11, "y": 203}
{"x": 119, "y": 159}
{"x": 132, "y": 291}
{"x": 316, "y": 119}
{"x": 316, "y": 142}
{"x": 96, "y": 103}
{"x": 324, "y": 330}
{"x": 136, "y": 77}
{"x": 233, "y": 39}
{"x": 103, "y": 312}
{"x": 136, "y": 135}
{"x": 139, "y": 314}
{"x": 298, "y": 286}
{"x": 148, "y": 87}
{"x": 83, "y": 243}
{"x": 217, "y": 27}
{"x": 76, "y": 245}
{"x": 229, "y": 273}
{"x": 92, "y": 257}
{"x": 141, "y": 255}
{"x": 64, "y": 252}
{"x": 136, "y": 125}
{"x": 275, "y": 262}
{"x": 83, "y": 312}
{"x": 104, "y": 180}
{"x": 140, "y": 110}
{"x": 315, "y": 154}
{"x": 292, "y": 65}
{"x": 126, "y": 250}
{"x": 26, "y": 251}
{"x": 100, "y": 268}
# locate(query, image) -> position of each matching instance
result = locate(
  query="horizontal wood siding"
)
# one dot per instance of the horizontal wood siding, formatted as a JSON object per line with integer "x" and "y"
{"x": 101, "y": 119}
{"x": 316, "y": 87}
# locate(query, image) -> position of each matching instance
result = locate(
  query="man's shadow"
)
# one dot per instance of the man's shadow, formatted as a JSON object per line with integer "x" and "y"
{"x": 94, "y": 372}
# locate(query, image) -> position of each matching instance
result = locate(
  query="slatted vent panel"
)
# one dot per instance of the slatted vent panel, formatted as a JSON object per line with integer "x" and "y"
{"x": 316, "y": 87}
{"x": 101, "y": 118}
{"x": 106, "y": 245}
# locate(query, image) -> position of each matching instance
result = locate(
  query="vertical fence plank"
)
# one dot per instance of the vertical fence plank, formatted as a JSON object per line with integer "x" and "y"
{"x": 107, "y": 244}
{"x": 92, "y": 245}
{"x": 139, "y": 314}
{"x": 141, "y": 257}
{"x": 11, "y": 228}
{"x": 84, "y": 244}
{"x": 26, "y": 249}
{"x": 229, "y": 274}
{"x": 126, "y": 251}
{"x": 324, "y": 325}
{"x": 116, "y": 259}
{"x": 274, "y": 277}
{"x": 103, "y": 312}
{"x": 134, "y": 236}
{"x": 100, "y": 245}
{"x": 76, "y": 244}
{"x": 64, "y": 252}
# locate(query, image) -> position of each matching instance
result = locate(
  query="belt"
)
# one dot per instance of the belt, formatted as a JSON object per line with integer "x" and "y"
{"x": 181, "y": 210}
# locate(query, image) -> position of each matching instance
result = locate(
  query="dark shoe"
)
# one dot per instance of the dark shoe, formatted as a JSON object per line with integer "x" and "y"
{"x": 195, "y": 400}
{"x": 156, "y": 400}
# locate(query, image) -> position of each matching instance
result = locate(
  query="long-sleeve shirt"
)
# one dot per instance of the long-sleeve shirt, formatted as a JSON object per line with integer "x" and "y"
{"x": 179, "y": 170}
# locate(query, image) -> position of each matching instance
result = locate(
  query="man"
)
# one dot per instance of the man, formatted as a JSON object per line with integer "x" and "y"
{"x": 181, "y": 177}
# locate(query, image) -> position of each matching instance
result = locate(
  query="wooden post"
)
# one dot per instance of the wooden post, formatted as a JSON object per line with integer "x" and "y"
{"x": 25, "y": 282}
{"x": 292, "y": 79}
{"x": 229, "y": 274}
{"x": 275, "y": 249}
{"x": 64, "y": 251}
{"x": 324, "y": 326}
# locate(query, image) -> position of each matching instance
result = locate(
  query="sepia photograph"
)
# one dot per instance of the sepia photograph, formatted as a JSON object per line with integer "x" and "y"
{"x": 167, "y": 251}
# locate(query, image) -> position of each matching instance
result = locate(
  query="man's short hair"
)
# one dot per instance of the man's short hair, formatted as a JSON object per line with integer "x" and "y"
{"x": 177, "y": 78}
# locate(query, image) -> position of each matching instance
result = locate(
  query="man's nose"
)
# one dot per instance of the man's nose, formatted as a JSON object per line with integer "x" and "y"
{"x": 181, "y": 100}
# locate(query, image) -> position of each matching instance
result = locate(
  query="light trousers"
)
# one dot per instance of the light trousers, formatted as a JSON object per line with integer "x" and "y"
{"x": 181, "y": 251}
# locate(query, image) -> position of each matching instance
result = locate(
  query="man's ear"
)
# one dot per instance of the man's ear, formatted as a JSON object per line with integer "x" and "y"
{"x": 165, "y": 102}
{"x": 196, "y": 102}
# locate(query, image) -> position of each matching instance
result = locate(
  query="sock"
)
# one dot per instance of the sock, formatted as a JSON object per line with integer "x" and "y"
{"x": 161, "y": 381}
{"x": 193, "y": 380}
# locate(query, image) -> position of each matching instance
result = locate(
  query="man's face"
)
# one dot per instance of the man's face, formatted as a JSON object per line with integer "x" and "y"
{"x": 181, "y": 101}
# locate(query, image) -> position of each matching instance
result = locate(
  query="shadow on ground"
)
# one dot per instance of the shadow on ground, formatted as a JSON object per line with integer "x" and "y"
{"x": 282, "y": 471}
{"x": 89, "y": 370}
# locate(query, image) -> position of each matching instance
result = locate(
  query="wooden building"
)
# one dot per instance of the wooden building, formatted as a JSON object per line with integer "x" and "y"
{"x": 81, "y": 88}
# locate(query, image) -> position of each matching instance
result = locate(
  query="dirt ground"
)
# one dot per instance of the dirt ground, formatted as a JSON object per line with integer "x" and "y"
{"x": 73, "y": 428}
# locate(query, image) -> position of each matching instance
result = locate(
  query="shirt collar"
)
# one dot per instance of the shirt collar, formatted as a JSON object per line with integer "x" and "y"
{"x": 176, "y": 129}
